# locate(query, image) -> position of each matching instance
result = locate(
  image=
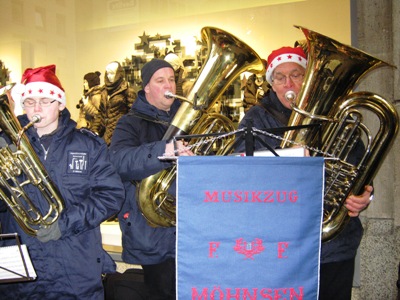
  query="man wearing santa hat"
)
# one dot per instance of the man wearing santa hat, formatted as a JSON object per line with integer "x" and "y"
{"x": 285, "y": 72}
{"x": 67, "y": 255}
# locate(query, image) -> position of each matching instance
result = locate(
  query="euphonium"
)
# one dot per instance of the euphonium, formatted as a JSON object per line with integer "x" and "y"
{"x": 21, "y": 168}
{"x": 326, "y": 98}
{"x": 227, "y": 57}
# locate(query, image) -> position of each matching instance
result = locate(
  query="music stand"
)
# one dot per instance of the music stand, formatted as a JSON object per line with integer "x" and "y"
{"x": 15, "y": 262}
{"x": 250, "y": 137}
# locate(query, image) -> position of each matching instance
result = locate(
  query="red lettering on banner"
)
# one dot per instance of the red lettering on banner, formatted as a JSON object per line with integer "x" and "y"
{"x": 211, "y": 198}
{"x": 213, "y": 248}
{"x": 203, "y": 295}
{"x": 269, "y": 197}
{"x": 248, "y": 249}
{"x": 217, "y": 292}
{"x": 237, "y": 196}
{"x": 282, "y": 246}
{"x": 275, "y": 294}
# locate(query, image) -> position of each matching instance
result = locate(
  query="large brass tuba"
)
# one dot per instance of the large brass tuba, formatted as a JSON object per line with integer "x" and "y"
{"x": 20, "y": 169}
{"x": 227, "y": 57}
{"x": 327, "y": 99}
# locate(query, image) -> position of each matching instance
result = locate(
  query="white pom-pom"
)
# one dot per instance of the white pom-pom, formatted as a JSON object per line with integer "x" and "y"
{"x": 17, "y": 91}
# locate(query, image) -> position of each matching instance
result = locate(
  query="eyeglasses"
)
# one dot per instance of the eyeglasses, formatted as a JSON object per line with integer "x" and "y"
{"x": 282, "y": 79}
{"x": 41, "y": 102}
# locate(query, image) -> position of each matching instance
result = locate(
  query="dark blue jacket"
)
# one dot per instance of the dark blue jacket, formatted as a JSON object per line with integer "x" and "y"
{"x": 71, "y": 267}
{"x": 135, "y": 147}
{"x": 340, "y": 248}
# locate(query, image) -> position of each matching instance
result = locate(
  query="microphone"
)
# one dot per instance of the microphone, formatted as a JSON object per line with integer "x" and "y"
{"x": 290, "y": 96}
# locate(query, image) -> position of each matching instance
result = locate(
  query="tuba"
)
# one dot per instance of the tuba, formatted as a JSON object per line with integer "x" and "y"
{"x": 226, "y": 58}
{"x": 20, "y": 168}
{"x": 326, "y": 99}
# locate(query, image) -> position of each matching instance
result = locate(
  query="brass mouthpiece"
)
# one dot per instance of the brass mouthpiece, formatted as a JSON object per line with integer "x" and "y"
{"x": 35, "y": 119}
{"x": 170, "y": 96}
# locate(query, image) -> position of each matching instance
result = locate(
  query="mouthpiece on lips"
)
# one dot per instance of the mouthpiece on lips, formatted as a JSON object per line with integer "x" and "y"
{"x": 290, "y": 96}
{"x": 169, "y": 95}
{"x": 36, "y": 119}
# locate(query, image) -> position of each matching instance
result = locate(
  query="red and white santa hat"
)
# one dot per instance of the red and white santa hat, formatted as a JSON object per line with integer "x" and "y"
{"x": 39, "y": 82}
{"x": 283, "y": 55}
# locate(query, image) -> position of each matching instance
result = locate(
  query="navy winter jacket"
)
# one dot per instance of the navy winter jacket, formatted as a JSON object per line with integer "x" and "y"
{"x": 135, "y": 147}
{"x": 344, "y": 246}
{"x": 71, "y": 267}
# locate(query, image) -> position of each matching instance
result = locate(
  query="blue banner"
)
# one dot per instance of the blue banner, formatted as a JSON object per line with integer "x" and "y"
{"x": 249, "y": 227}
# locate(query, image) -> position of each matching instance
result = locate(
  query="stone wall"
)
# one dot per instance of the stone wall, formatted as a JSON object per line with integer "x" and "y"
{"x": 377, "y": 27}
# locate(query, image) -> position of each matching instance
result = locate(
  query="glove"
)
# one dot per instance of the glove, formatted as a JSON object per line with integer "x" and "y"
{"x": 49, "y": 233}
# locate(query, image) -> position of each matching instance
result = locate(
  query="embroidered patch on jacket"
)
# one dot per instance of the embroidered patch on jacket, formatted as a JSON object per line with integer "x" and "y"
{"x": 77, "y": 162}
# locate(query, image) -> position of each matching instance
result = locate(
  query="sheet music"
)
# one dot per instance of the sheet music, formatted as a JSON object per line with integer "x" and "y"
{"x": 286, "y": 152}
{"x": 11, "y": 263}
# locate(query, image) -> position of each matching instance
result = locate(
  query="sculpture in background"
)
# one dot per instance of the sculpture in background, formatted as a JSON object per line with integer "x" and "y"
{"x": 89, "y": 105}
{"x": 120, "y": 96}
{"x": 4, "y": 74}
{"x": 254, "y": 89}
{"x": 182, "y": 84}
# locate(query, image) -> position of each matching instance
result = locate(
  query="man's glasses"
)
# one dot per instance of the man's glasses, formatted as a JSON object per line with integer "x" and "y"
{"x": 282, "y": 79}
{"x": 41, "y": 102}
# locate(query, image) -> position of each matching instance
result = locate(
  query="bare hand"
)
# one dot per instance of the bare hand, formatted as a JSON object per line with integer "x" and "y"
{"x": 356, "y": 204}
{"x": 181, "y": 147}
{"x": 178, "y": 149}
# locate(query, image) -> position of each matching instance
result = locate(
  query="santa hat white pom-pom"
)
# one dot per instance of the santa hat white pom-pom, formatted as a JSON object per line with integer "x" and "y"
{"x": 17, "y": 91}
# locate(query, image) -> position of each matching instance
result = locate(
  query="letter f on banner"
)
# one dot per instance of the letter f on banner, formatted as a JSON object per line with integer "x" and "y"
{"x": 212, "y": 249}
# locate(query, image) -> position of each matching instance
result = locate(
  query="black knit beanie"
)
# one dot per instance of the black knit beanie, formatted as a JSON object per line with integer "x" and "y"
{"x": 93, "y": 78}
{"x": 151, "y": 67}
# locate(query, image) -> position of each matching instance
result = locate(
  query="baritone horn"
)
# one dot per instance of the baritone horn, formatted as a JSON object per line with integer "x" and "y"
{"x": 21, "y": 168}
{"x": 327, "y": 99}
{"x": 226, "y": 58}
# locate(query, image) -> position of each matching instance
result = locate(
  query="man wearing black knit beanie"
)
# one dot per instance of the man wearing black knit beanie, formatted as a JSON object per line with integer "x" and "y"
{"x": 151, "y": 67}
{"x": 136, "y": 146}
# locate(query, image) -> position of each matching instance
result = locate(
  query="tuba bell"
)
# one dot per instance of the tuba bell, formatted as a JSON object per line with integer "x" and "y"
{"x": 20, "y": 169}
{"x": 226, "y": 58}
{"x": 326, "y": 99}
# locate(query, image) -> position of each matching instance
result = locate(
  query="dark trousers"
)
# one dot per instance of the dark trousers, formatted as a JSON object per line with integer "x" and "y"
{"x": 336, "y": 280}
{"x": 160, "y": 280}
